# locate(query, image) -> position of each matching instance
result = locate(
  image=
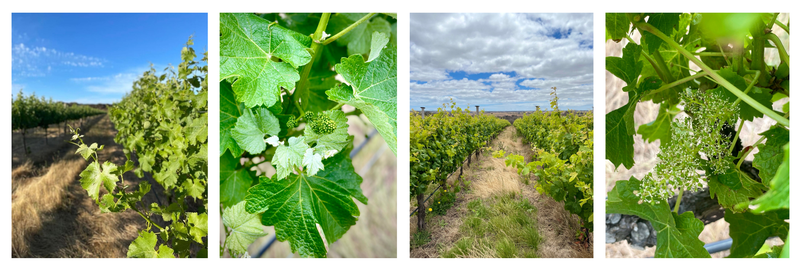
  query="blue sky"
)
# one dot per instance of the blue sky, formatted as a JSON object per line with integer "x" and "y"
{"x": 501, "y": 62}
{"x": 94, "y": 58}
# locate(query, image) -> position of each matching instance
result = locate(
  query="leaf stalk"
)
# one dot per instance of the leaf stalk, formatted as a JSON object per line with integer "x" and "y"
{"x": 348, "y": 29}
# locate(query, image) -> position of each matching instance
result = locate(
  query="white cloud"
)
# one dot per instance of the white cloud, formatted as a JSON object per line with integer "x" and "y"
{"x": 117, "y": 84}
{"x": 30, "y": 61}
{"x": 523, "y": 47}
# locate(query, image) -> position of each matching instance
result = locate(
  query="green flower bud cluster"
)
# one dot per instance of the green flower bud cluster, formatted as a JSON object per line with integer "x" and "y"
{"x": 320, "y": 123}
{"x": 697, "y": 142}
{"x": 292, "y": 123}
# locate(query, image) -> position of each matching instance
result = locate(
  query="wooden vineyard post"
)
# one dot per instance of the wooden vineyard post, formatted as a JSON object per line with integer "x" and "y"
{"x": 460, "y": 172}
{"x": 477, "y": 113}
{"x": 420, "y": 211}
{"x": 24, "y": 144}
{"x": 45, "y": 134}
{"x": 421, "y": 196}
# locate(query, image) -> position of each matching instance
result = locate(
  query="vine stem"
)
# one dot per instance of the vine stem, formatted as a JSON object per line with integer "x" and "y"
{"x": 678, "y": 201}
{"x": 785, "y": 251}
{"x": 772, "y": 21}
{"x": 296, "y": 104}
{"x": 338, "y": 106}
{"x": 748, "y": 152}
{"x": 750, "y": 86}
{"x": 733, "y": 144}
{"x": 678, "y": 82}
{"x": 783, "y": 26}
{"x": 348, "y": 29}
{"x": 146, "y": 218}
{"x": 302, "y": 87}
{"x": 711, "y": 54}
{"x": 721, "y": 81}
{"x": 658, "y": 67}
{"x": 779, "y": 45}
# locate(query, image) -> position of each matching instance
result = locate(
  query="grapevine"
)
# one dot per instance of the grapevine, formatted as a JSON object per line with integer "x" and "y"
{"x": 564, "y": 147}
{"x": 29, "y": 112}
{"x": 440, "y": 143}
{"x": 163, "y": 126}
{"x": 701, "y": 115}
{"x": 282, "y": 104}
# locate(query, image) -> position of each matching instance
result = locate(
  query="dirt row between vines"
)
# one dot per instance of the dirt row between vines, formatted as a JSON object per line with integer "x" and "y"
{"x": 52, "y": 216}
{"x": 490, "y": 177}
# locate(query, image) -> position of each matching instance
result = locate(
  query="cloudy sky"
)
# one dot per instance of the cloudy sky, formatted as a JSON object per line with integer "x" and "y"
{"x": 94, "y": 58}
{"x": 502, "y": 62}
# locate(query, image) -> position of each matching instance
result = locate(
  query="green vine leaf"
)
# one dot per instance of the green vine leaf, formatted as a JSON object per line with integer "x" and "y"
{"x": 620, "y": 126}
{"x": 661, "y": 128}
{"x": 252, "y": 128}
{"x": 777, "y": 197}
{"x": 732, "y": 188}
{"x": 372, "y": 89}
{"x": 198, "y": 130}
{"x": 288, "y": 158}
{"x": 245, "y": 228}
{"x": 628, "y": 67}
{"x": 194, "y": 187}
{"x": 664, "y": 22}
{"x": 379, "y": 41}
{"x": 147, "y": 160}
{"x": 750, "y": 231}
{"x": 229, "y": 112}
{"x": 617, "y": 26}
{"x": 677, "y": 234}
{"x": 359, "y": 39}
{"x": 312, "y": 162}
{"x": 770, "y": 154}
{"x": 619, "y": 143}
{"x": 234, "y": 181}
{"x": 248, "y": 44}
{"x": 95, "y": 176}
{"x": 199, "y": 226}
{"x": 297, "y": 204}
{"x": 168, "y": 176}
{"x": 86, "y": 151}
{"x": 144, "y": 247}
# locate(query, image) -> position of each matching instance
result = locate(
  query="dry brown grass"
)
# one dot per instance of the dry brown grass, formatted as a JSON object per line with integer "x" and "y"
{"x": 494, "y": 182}
{"x": 46, "y": 194}
{"x": 21, "y": 175}
{"x": 52, "y": 216}
{"x": 645, "y": 153}
{"x": 489, "y": 178}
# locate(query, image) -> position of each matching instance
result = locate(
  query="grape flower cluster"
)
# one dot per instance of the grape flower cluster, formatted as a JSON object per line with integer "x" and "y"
{"x": 696, "y": 142}
{"x": 320, "y": 123}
